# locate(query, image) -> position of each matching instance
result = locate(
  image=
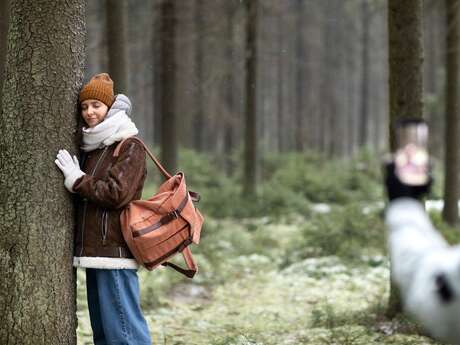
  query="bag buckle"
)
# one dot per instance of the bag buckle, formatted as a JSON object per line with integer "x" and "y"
{"x": 174, "y": 214}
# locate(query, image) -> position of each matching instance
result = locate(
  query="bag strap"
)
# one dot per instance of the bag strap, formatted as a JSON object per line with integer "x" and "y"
{"x": 188, "y": 258}
{"x": 194, "y": 196}
{"x": 157, "y": 163}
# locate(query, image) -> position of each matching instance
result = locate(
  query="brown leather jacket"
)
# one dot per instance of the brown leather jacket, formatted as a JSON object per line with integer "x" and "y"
{"x": 109, "y": 184}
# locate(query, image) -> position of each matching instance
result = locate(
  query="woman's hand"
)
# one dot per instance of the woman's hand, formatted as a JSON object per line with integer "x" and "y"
{"x": 69, "y": 167}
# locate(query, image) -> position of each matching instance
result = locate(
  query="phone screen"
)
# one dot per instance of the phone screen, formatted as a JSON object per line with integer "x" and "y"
{"x": 411, "y": 158}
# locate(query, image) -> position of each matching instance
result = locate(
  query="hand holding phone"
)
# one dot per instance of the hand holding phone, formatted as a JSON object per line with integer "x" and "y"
{"x": 408, "y": 172}
{"x": 411, "y": 158}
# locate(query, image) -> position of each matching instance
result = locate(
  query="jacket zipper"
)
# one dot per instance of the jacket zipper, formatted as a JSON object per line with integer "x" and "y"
{"x": 104, "y": 227}
{"x": 85, "y": 200}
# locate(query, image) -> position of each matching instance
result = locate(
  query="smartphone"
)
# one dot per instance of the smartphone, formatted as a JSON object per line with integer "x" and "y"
{"x": 411, "y": 157}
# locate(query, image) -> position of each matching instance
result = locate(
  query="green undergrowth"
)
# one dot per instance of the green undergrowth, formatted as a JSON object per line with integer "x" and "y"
{"x": 450, "y": 233}
{"x": 262, "y": 282}
{"x": 301, "y": 274}
{"x": 289, "y": 183}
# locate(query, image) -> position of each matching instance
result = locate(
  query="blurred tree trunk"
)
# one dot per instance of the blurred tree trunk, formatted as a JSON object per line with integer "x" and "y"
{"x": 157, "y": 45}
{"x": 300, "y": 76}
{"x": 198, "y": 121}
{"x": 187, "y": 40}
{"x": 280, "y": 80}
{"x": 327, "y": 70}
{"x": 167, "y": 74}
{"x": 4, "y": 18}
{"x": 364, "y": 118}
{"x": 452, "y": 133}
{"x": 42, "y": 81}
{"x": 117, "y": 43}
{"x": 406, "y": 79}
{"x": 96, "y": 43}
{"x": 434, "y": 67}
{"x": 229, "y": 95}
{"x": 405, "y": 60}
{"x": 250, "y": 140}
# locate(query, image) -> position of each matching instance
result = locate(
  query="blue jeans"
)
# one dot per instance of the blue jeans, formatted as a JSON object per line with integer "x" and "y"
{"x": 114, "y": 307}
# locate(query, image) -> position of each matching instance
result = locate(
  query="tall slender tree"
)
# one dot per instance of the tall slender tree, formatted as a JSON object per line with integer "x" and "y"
{"x": 43, "y": 76}
{"x": 167, "y": 72}
{"x": 406, "y": 77}
{"x": 405, "y": 60}
{"x": 4, "y": 19}
{"x": 301, "y": 83}
{"x": 250, "y": 138}
{"x": 117, "y": 43}
{"x": 229, "y": 94}
{"x": 452, "y": 137}
{"x": 365, "y": 32}
{"x": 198, "y": 123}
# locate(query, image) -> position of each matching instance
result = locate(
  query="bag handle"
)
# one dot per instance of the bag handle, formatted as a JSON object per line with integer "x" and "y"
{"x": 157, "y": 163}
{"x": 188, "y": 258}
{"x": 194, "y": 196}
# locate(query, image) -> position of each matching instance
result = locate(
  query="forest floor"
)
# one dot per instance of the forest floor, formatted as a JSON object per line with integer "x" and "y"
{"x": 283, "y": 281}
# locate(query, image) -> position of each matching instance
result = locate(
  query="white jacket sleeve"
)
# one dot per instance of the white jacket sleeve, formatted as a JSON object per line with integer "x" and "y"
{"x": 421, "y": 259}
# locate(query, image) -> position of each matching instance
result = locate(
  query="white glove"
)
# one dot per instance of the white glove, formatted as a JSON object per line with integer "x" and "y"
{"x": 69, "y": 167}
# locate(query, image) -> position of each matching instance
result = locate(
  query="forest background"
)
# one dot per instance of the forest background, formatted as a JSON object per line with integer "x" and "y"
{"x": 278, "y": 111}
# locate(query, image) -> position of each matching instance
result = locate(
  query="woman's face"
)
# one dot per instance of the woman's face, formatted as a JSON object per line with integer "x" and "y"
{"x": 93, "y": 111}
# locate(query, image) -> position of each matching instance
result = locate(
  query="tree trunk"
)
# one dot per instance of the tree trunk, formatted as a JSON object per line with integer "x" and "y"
{"x": 96, "y": 43}
{"x": 300, "y": 87}
{"x": 117, "y": 43}
{"x": 198, "y": 121}
{"x": 452, "y": 131}
{"x": 4, "y": 18}
{"x": 156, "y": 71}
{"x": 250, "y": 141}
{"x": 169, "y": 146}
{"x": 280, "y": 80}
{"x": 229, "y": 95}
{"x": 405, "y": 60}
{"x": 364, "y": 118}
{"x": 406, "y": 78}
{"x": 434, "y": 43}
{"x": 43, "y": 76}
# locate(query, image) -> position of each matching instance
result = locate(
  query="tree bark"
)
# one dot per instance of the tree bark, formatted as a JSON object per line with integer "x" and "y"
{"x": 117, "y": 43}
{"x": 4, "y": 19}
{"x": 198, "y": 123}
{"x": 169, "y": 145}
{"x": 405, "y": 60}
{"x": 43, "y": 76}
{"x": 300, "y": 87}
{"x": 250, "y": 141}
{"x": 452, "y": 131}
{"x": 229, "y": 95}
{"x": 364, "y": 118}
{"x": 406, "y": 78}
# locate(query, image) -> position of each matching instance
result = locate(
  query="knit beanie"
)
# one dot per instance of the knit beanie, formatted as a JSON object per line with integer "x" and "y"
{"x": 100, "y": 87}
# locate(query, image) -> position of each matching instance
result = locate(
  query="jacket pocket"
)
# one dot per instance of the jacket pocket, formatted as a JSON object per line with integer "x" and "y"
{"x": 104, "y": 226}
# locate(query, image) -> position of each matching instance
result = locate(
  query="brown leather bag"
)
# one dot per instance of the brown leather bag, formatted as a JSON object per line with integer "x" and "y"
{"x": 164, "y": 225}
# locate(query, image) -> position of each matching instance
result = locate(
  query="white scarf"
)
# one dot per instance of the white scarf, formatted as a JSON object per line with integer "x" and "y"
{"x": 116, "y": 126}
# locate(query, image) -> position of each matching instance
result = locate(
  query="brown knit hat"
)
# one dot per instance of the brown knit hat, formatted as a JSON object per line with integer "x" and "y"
{"x": 100, "y": 87}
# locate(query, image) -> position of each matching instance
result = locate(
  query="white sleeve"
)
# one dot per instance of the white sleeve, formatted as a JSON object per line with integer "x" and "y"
{"x": 411, "y": 238}
{"x": 419, "y": 255}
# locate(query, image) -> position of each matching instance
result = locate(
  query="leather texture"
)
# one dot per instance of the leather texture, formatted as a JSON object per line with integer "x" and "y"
{"x": 109, "y": 185}
{"x": 164, "y": 225}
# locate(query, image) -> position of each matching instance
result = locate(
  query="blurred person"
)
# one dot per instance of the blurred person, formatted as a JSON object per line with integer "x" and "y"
{"x": 425, "y": 268}
{"x": 104, "y": 185}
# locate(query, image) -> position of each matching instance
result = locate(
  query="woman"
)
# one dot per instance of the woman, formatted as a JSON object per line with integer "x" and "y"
{"x": 105, "y": 184}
